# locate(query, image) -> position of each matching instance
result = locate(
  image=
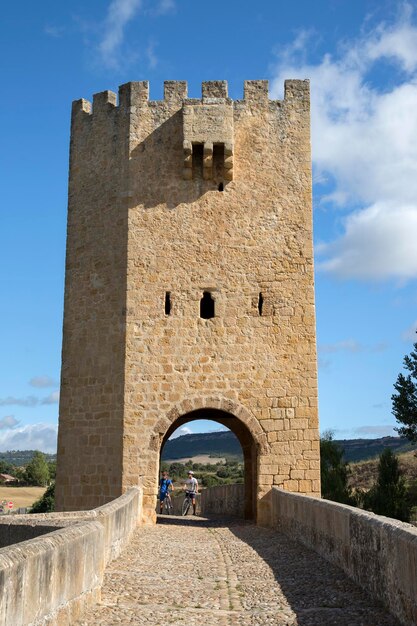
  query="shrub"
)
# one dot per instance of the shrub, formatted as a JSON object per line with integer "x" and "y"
{"x": 389, "y": 495}
{"x": 46, "y": 503}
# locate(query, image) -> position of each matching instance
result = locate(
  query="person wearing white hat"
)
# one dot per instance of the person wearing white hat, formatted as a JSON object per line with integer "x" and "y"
{"x": 191, "y": 488}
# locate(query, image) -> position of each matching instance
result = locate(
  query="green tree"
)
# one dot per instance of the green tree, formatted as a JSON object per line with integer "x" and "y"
{"x": 46, "y": 503}
{"x": 334, "y": 472}
{"x": 20, "y": 474}
{"x": 223, "y": 472}
{"x": 52, "y": 470}
{"x": 177, "y": 470}
{"x": 6, "y": 468}
{"x": 412, "y": 498}
{"x": 210, "y": 480}
{"x": 389, "y": 495}
{"x": 37, "y": 471}
{"x": 404, "y": 402}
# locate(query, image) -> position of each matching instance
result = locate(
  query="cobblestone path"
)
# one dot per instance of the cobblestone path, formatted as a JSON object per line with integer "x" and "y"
{"x": 195, "y": 572}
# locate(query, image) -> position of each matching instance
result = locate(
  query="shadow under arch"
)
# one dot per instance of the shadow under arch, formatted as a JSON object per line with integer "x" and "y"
{"x": 251, "y": 438}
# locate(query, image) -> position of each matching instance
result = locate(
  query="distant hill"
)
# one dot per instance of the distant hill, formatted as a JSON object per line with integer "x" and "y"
{"x": 22, "y": 457}
{"x": 220, "y": 444}
{"x": 363, "y": 449}
{"x": 226, "y": 444}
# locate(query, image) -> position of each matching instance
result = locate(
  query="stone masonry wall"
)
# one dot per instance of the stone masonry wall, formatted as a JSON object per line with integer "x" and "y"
{"x": 148, "y": 218}
{"x": 223, "y": 500}
{"x": 56, "y": 570}
{"x": 378, "y": 553}
{"x": 89, "y": 471}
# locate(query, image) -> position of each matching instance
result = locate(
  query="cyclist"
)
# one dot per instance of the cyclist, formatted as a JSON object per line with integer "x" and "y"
{"x": 191, "y": 488}
{"x": 165, "y": 486}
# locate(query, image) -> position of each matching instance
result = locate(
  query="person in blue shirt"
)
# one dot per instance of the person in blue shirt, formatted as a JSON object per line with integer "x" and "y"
{"x": 165, "y": 486}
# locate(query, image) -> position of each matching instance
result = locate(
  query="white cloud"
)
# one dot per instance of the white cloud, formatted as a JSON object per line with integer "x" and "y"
{"x": 378, "y": 430}
{"x": 350, "y": 345}
{"x": 379, "y": 242}
{"x": 165, "y": 6}
{"x": 27, "y": 401}
{"x": 54, "y": 31}
{"x": 8, "y": 421}
{"x": 30, "y": 437}
{"x": 30, "y": 401}
{"x": 43, "y": 381}
{"x": 410, "y": 333}
{"x": 151, "y": 56}
{"x": 397, "y": 42}
{"x": 324, "y": 364}
{"x": 183, "y": 430}
{"x": 119, "y": 14}
{"x": 365, "y": 140}
{"x": 53, "y": 398}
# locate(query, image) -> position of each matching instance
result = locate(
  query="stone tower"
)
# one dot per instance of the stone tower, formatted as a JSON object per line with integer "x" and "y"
{"x": 189, "y": 288}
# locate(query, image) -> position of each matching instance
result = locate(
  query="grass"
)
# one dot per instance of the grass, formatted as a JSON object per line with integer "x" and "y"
{"x": 21, "y": 496}
{"x": 198, "y": 458}
{"x": 364, "y": 473}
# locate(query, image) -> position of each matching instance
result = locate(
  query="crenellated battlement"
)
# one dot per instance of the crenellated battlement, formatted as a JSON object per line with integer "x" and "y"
{"x": 208, "y": 123}
{"x": 255, "y": 92}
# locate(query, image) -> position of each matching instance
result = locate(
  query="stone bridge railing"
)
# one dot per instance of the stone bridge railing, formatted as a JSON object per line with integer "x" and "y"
{"x": 378, "y": 553}
{"x": 52, "y": 565}
{"x": 54, "y": 569}
{"x": 223, "y": 500}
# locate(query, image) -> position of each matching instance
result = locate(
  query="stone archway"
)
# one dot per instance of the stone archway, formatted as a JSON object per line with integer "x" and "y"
{"x": 230, "y": 414}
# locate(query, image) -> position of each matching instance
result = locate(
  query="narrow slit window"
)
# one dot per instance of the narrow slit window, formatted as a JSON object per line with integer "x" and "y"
{"x": 207, "y": 306}
{"x": 198, "y": 152}
{"x": 260, "y": 303}
{"x": 167, "y": 303}
{"x": 220, "y": 187}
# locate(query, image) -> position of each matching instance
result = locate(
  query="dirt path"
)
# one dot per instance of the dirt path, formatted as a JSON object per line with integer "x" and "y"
{"x": 196, "y": 572}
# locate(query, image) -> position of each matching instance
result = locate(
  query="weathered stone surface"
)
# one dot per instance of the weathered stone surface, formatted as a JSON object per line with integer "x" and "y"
{"x": 238, "y": 226}
{"x": 198, "y": 572}
{"x": 378, "y": 553}
{"x": 226, "y": 500}
{"x": 52, "y": 578}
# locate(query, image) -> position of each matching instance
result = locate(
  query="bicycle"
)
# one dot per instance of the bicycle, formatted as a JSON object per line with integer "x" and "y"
{"x": 188, "y": 500}
{"x": 168, "y": 506}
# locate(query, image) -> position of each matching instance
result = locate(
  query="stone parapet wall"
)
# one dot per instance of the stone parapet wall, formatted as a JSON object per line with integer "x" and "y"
{"x": 56, "y": 570}
{"x": 14, "y": 531}
{"x": 119, "y": 519}
{"x": 51, "y": 579}
{"x": 224, "y": 500}
{"x": 378, "y": 553}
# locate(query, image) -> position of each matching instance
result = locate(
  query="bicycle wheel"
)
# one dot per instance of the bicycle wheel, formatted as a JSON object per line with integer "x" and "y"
{"x": 186, "y": 506}
{"x": 168, "y": 506}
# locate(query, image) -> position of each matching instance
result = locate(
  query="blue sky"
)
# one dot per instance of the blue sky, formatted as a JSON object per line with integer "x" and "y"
{"x": 361, "y": 58}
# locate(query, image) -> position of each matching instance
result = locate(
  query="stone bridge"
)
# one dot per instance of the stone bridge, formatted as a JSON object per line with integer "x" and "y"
{"x": 317, "y": 564}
